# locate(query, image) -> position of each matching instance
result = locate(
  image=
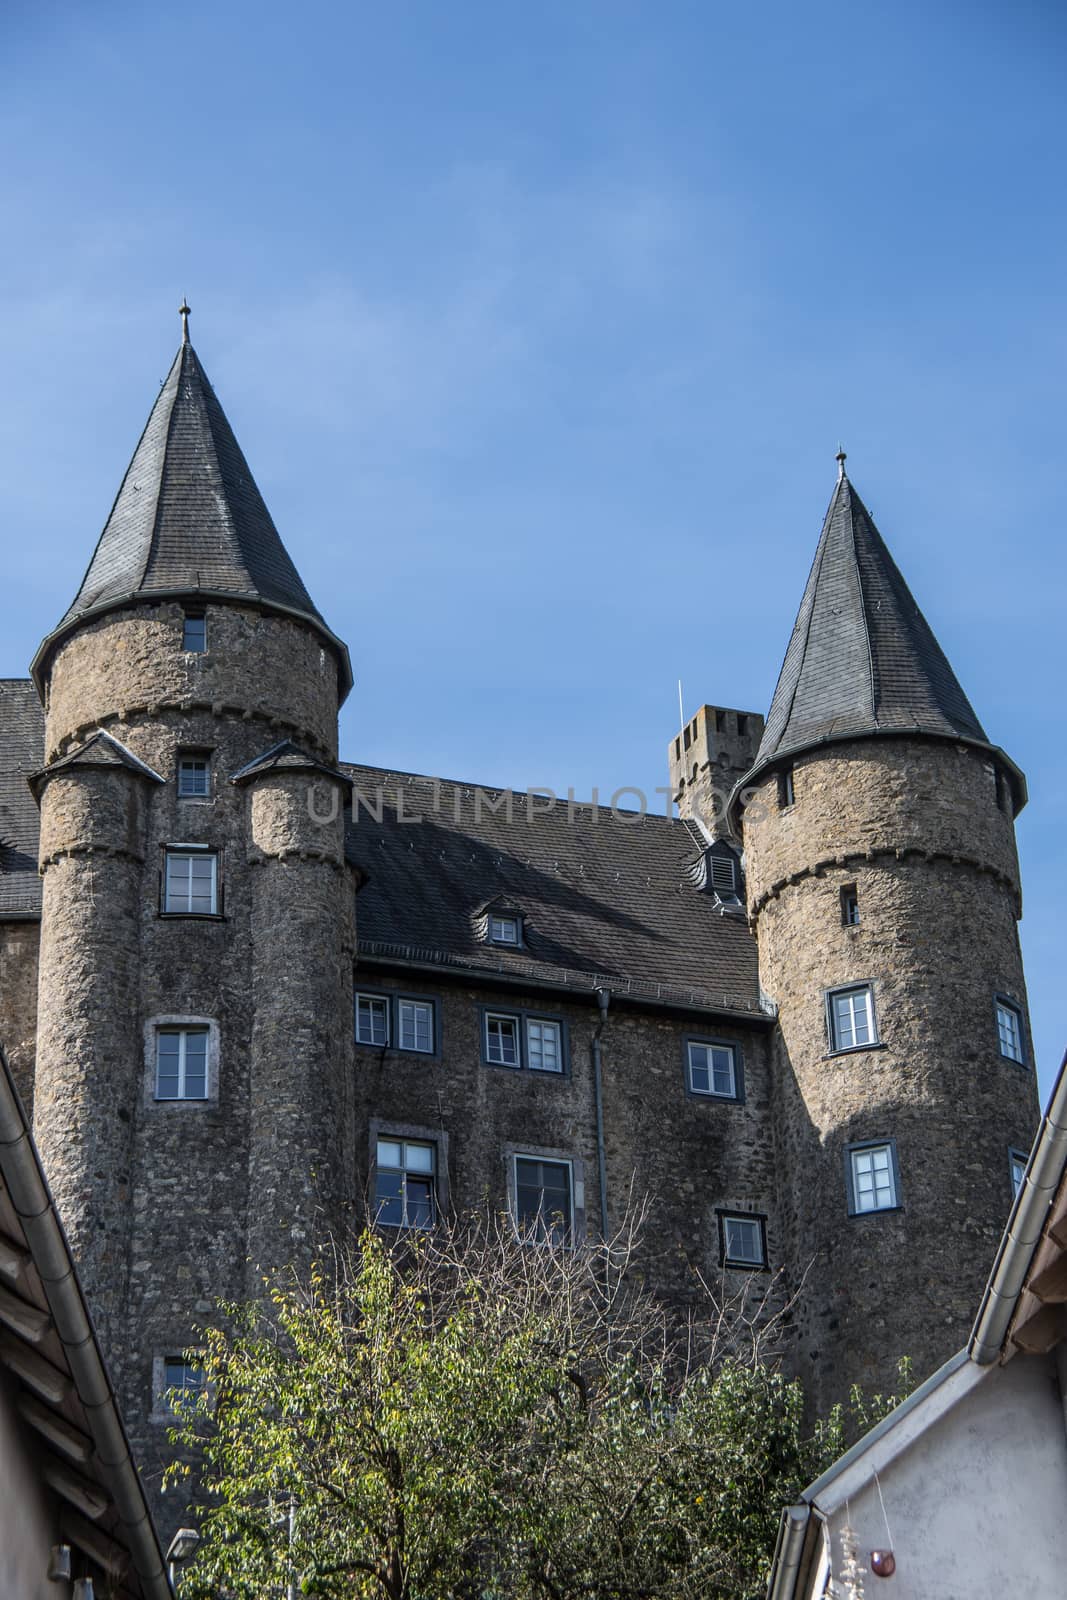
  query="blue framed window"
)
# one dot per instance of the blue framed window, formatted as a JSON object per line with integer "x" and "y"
{"x": 405, "y": 1172}
{"x": 526, "y": 1040}
{"x": 742, "y": 1239}
{"x": 850, "y": 1019}
{"x": 181, "y": 1063}
{"x": 872, "y": 1177}
{"x": 1010, "y": 1035}
{"x": 194, "y": 632}
{"x": 713, "y": 1068}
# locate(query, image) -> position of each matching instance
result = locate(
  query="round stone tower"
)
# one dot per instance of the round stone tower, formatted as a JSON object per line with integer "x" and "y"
{"x": 883, "y": 890}
{"x": 194, "y": 1064}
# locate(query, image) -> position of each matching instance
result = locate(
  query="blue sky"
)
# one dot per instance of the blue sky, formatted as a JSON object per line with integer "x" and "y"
{"x": 540, "y": 325}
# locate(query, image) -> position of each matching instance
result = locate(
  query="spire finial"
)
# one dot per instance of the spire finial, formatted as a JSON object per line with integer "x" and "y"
{"x": 183, "y": 312}
{"x": 841, "y": 459}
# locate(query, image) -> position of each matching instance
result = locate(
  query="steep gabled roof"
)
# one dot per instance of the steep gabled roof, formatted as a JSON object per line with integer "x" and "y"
{"x": 189, "y": 521}
{"x": 101, "y": 749}
{"x": 607, "y": 897}
{"x": 285, "y": 757}
{"x": 21, "y": 752}
{"x": 863, "y": 660}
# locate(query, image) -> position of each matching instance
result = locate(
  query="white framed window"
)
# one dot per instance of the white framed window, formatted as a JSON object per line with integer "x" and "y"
{"x": 372, "y": 1019}
{"x": 190, "y": 881}
{"x": 712, "y": 1068}
{"x": 1017, "y": 1160}
{"x": 543, "y": 1199}
{"x": 182, "y": 1064}
{"x": 873, "y": 1181}
{"x": 415, "y": 1026}
{"x": 194, "y": 632}
{"x": 176, "y": 1380}
{"x": 501, "y": 1039}
{"x": 194, "y": 777}
{"x": 544, "y": 1045}
{"x": 505, "y": 928}
{"x": 1010, "y": 1031}
{"x": 850, "y": 1017}
{"x": 742, "y": 1239}
{"x": 404, "y": 1183}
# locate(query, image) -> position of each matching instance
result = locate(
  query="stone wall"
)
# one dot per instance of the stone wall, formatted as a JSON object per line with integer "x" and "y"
{"x": 18, "y": 1002}
{"x": 707, "y": 758}
{"x": 915, "y": 828}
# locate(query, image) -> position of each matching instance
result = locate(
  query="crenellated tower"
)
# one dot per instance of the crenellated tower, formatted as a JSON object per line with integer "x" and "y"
{"x": 883, "y": 889}
{"x": 193, "y": 1085}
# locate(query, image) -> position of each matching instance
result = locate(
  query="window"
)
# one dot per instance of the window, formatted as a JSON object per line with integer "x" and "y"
{"x": 850, "y": 1017}
{"x": 1017, "y": 1160}
{"x": 712, "y": 1068}
{"x": 372, "y": 1019}
{"x": 523, "y": 1039}
{"x": 543, "y": 1199}
{"x": 872, "y": 1178}
{"x": 850, "y": 906}
{"x": 505, "y": 930}
{"x": 194, "y": 777}
{"x": 786, "y": 794}
{"x": 404, "y": 1184}
{"x": 190, "y": 882}
{"x": 415, "y": 1026}
{"x": 194, "y": 632}
{"x": 543, "y": 1046}
{"x": 183, "y": 1382}
{"x": 181, "y": 1064}
{"x": 501, "y": 1040}
{"x": 1010, "y": 1031}
{"x": 742, "y": 1240}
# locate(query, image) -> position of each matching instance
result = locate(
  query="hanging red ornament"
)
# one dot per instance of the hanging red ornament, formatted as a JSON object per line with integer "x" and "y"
{"x": 883, "y": 1563}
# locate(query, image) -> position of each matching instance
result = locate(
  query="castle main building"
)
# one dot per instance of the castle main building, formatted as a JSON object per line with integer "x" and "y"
{"x": 253, "y": 991}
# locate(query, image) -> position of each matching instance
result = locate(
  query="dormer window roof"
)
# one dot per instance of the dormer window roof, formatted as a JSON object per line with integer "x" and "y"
{"x": 499, "y": 922}
{"x": 717, "y": 871}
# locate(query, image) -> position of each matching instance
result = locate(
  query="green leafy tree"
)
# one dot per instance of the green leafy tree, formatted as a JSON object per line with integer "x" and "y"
{"x": 471, "y": 1416}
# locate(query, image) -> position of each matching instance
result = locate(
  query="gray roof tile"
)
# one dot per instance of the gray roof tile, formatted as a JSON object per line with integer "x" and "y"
{"x": 605, "y": 897}
{"x": 862, "y": 659}
{"x": 21, "y": 752}
{"x": 189, "y": 519}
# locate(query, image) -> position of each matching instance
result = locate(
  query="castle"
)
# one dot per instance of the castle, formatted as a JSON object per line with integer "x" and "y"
{"x": 252, "y": 991}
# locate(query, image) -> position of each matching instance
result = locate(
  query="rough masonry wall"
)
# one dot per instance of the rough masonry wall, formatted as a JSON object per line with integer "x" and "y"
{"x": 18, "y": 1002}
{"x": 917, "y": 830}
{"x": 687, "y": 1156}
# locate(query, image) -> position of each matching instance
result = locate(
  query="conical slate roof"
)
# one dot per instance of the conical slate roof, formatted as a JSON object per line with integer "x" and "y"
{"x": 189, "y": 520}
{"x": 862, "y": 660}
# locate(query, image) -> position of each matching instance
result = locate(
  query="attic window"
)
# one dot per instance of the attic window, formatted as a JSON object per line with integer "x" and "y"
{"x": 194, "y": 632}
{"x": 724, "y": 874}
{"x": 505, "y": 928}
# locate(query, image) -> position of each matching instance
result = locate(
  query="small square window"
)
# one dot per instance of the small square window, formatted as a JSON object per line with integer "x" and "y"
{"x": 505, "y": 930}
{"x": 190, "y": 883}
{"x": 194, "y": 777}
{"x": 850, "y": 1018}
{"x": 872, "y": 1174}
{"x": 543, "y": 1199}
{"x": 404, "y": 1192}
{"x": 501, "y": 1040}
{"x": 415, "y": 1030}
{"x": 850, "y": 906}
{"x": 1017, "y": 1161}
{"x": 786, "y": 792}
{"x": 742, "y": 1240}
{"x": 1010, "y": 1031}
{"x": 183, "y": 1382}
{"x": 194, "y": 632}
{"x": 544, "y": 1046}
{"x": 712, "y": 1068}
{"x": 372, "y": 1019}
{"x": 181, "y": 1064}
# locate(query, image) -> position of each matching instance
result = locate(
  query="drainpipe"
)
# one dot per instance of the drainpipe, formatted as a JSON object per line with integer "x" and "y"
{"x": 603, "y": 1000}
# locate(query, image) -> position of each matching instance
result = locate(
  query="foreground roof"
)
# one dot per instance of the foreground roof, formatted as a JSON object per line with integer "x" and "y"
{"x": 863, "y": 660}
{"x": 21, "y": 753}
{"x": 189, "y": 521}
{"x": 607, "y": 898}
{"x": 63, "y": 1393}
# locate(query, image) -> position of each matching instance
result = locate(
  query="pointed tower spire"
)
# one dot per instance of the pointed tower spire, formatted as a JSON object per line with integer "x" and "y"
{"x": 189, "y": 520}
{"x": 863, "y": 660}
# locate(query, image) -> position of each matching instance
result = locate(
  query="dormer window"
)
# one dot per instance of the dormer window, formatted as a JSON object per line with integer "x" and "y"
{"x": 194, "y": 632}
{"x": 505, "y": 928}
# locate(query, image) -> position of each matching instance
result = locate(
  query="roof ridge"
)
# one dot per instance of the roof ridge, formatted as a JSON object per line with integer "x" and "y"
{"x": 863, "y": 597}
{"x": 150, "y": 543}
{"x": 537, "y": 791}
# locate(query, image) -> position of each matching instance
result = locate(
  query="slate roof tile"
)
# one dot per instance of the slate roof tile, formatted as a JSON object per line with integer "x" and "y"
{"x": 21, "y": 753}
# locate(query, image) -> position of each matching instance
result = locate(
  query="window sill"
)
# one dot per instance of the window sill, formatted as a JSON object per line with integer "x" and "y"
{"x": 882, "y": 1211}
{"x": 855, "y": 1049}
{"x": 744, "y": 1266}
{"x": 192, "y": 916}
{"x": 1023, "y": 1066}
